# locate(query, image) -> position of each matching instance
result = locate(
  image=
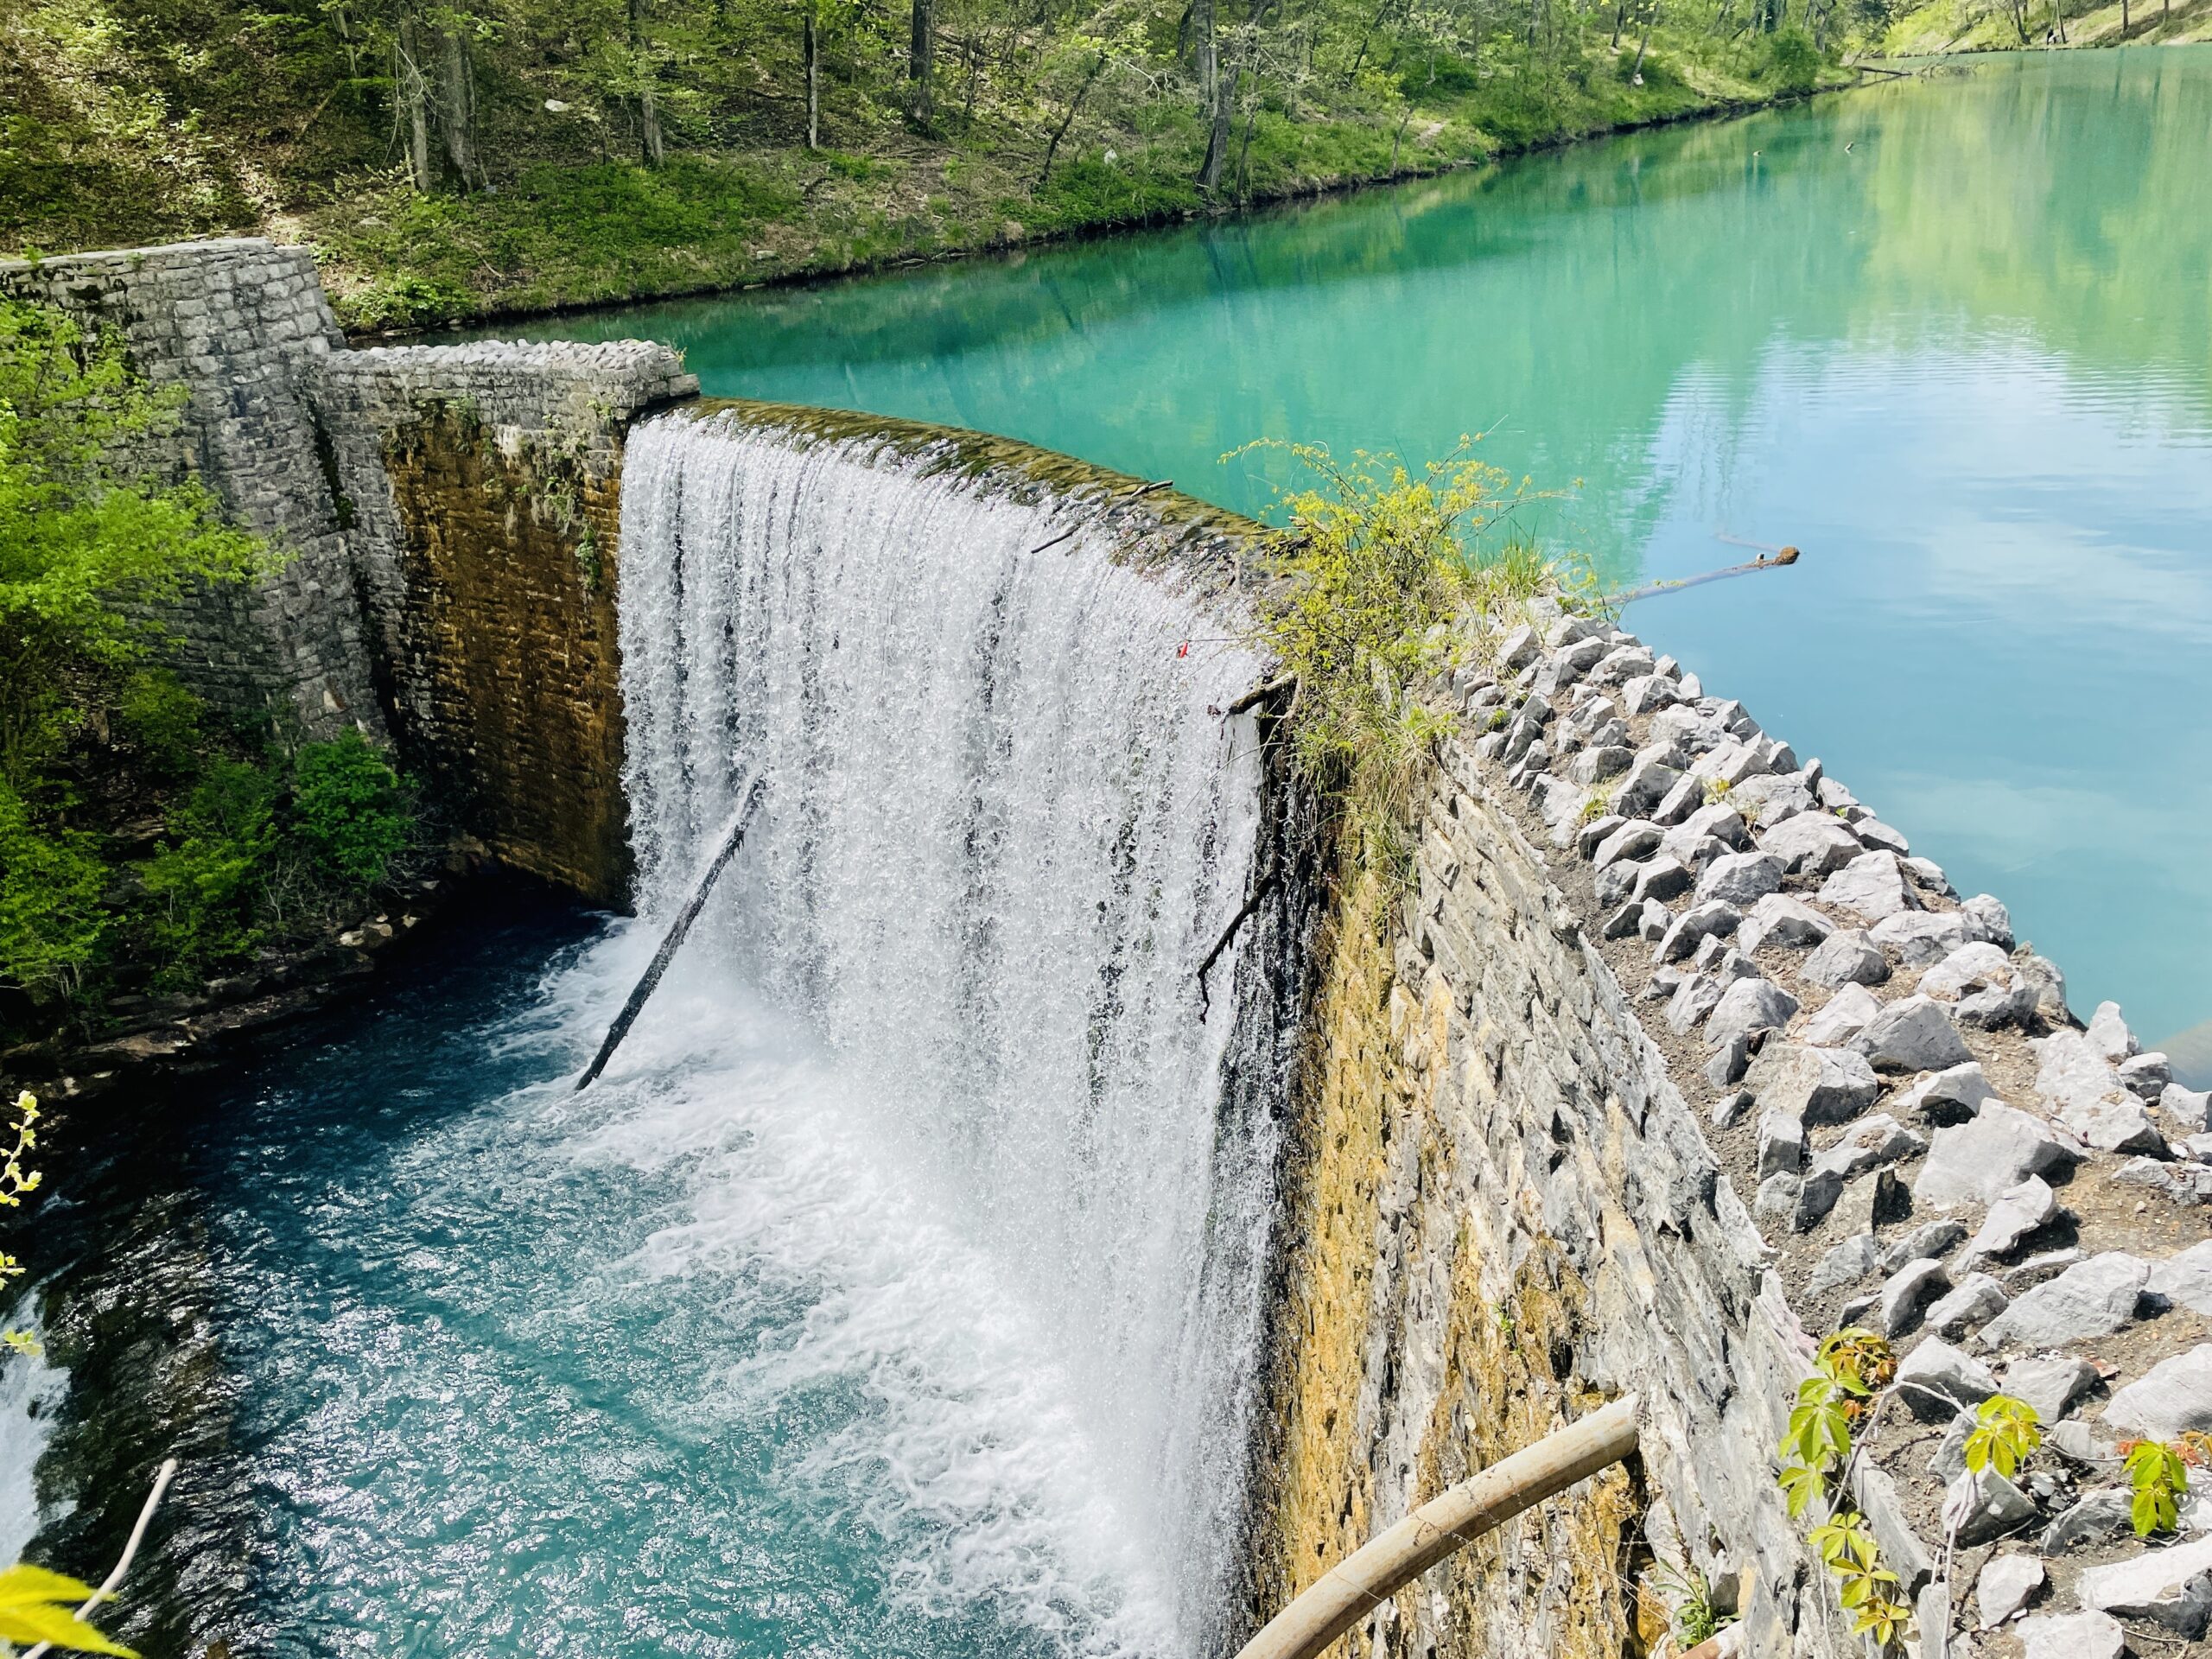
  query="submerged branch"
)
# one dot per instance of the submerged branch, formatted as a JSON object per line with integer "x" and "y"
{"x": 1260, "y": 891}
{"x": 107, "y": 1591}
{"x": 733, "y": 838}
{"x": 1782, "y": 555}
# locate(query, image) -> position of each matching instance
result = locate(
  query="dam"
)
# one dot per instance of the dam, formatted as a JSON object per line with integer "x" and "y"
{"x": 947, "y": 1265}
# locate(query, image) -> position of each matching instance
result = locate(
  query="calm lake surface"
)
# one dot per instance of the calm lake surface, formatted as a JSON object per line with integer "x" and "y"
{"x": 1953, "y": 337}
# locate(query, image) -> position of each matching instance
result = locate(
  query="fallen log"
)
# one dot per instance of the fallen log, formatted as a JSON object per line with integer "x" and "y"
{"x": 1443, "y": 1526}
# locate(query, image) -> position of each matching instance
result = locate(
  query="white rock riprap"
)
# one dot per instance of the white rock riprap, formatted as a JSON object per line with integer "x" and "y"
{"x": 1930, "y": 1141}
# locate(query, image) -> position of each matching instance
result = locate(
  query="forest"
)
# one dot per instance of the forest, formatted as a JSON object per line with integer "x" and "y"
{"x": 451, "y": 162}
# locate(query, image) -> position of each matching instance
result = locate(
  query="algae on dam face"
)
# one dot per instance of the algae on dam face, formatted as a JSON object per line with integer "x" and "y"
{"x": 1400, "y": 1369}
{"x": 507, "y": 623}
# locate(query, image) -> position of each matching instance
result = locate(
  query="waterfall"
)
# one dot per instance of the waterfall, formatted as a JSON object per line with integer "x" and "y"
{"x": 1004, "y": 823}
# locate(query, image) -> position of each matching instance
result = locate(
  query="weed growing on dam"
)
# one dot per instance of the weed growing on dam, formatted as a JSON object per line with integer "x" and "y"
{"x": 1374, "y": 566}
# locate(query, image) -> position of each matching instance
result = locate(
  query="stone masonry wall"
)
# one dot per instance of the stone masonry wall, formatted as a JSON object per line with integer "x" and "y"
{"x": 1674, "y": 1060}
{"x": 481, "y": 485}
{"x": 239, "y": 323}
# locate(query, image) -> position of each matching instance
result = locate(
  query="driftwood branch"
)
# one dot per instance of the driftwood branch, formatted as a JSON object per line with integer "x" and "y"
{"x": 1782, "y": 557}
{"x": 733, "y": 838}
{"x": 1261, "y": 888}
{"x": 1120, "y": 501}
{"x": 107, "y": 1591}
{"x": 1260, "y": 694}
{"x": 1370, "y": 1575}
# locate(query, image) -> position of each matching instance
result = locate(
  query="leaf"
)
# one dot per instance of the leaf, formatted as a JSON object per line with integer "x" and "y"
{"x": 37, "y": 1605}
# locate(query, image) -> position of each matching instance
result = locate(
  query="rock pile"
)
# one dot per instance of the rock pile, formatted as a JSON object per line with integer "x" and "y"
{"x": 1933, "y": 1145}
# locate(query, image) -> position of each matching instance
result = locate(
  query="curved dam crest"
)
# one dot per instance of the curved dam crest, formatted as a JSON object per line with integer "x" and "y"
{"x": 1670, "y": 1057}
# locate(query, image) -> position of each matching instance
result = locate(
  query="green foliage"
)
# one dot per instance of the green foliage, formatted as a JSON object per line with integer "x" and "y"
{"x": 1850, "y": 1371}
{"x": 1864, "y": 1586}
{"x": 54, "y": 925}
{"x": 83, "y": 548}
{"x": 253, "y": 840}
{"x": 202, "y": 889}
{"x": 1793, "y": 61}
{"x": 2005, "y": 1431}
{"x": 1688, "y": 1596}
{"x": 348, "y": 809}
{"x": 2159, "y": 1476}
{"x": 1372, "y": 571}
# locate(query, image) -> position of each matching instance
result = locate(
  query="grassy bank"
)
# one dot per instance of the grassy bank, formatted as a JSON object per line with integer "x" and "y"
{"x": 2034, "y": 25}
{"x": 609, "y": 232}
{"x": 454, "y": 163}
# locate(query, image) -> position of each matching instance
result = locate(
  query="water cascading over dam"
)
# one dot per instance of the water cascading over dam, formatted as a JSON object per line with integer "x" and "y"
{"x": 1002, "y": 827}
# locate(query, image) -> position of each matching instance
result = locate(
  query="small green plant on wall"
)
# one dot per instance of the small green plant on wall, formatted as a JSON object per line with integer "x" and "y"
{"x": 1837, "y": 1408}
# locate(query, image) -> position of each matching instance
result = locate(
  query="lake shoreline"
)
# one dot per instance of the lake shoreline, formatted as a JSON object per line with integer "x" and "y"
{"x": 1257, "y": 205}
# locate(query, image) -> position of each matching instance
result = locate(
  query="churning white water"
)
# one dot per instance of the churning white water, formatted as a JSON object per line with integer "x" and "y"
{"x": 1003, "y": 828}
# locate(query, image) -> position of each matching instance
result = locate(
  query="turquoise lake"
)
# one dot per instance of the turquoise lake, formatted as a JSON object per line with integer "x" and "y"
{"x": 1951, "y": 336}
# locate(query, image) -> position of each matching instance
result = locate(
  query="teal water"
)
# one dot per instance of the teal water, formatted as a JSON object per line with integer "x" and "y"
{"x": 1953, "y": 337}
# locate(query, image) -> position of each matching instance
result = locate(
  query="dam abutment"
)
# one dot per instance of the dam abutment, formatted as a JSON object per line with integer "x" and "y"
{"x": 1668, "y": 1058}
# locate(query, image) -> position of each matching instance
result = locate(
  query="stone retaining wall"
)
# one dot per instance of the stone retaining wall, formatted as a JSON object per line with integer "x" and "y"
{"x": 1674, "y": 1061}
{"x": 482, "y": 488}
{"x": 239, "y": 324}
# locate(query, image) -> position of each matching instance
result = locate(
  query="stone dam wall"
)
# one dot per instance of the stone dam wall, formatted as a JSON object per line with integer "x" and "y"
{"x": 1671, "y": 1058}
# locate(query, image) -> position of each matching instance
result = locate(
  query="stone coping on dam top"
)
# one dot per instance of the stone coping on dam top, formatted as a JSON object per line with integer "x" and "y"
{"x": 1932, "y": 1144}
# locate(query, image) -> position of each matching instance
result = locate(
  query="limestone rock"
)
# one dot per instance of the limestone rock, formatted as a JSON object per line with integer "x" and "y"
{"x": 1966, "y": 969}
{"x": 1647, "y": 785}
{"x": 2005, "y": 1585}
{"x": 1697, "y": 997}
{"x": 1747, "y": 1006}
{"x": 1842, "y": 1017}
{"x": 1871, "y": 1201}
{"x": 1846, "y": 958}
{"x": 1951, "y": 1096}
{"x": 2185, "y": 1277}
{"x": 1870, "y": 1144}
{"x": 1930, "y": 1238}
{"x": 2146, "y": 1075}
{"x": 1595, "y": 764}
{"x": 2190, "y": 1108}
{"x": 1741, "y": 878}
{"x": 1780, "y": 919}
{"x": 2018, "y": 1211}
{"x": 2072, "y": 1636}
{"x": 1920, "y": 937}
{"x": 2085, "y": 1093}
{"x": 1905, "y": 1292}
{"x": 1782, "y": 1145}
{"x": 1976, "y": 1161}
{"x": 2090, "y": 1519}
{"x": 2171, "y": 1587}
{"x": 2091, "y": 1298}
{"x": 2184, "y": 1184}
{"x": 1870, "y": 887}
{"x": 1986, "y": 1506}
{"x": 1914, "y": 1034}
{"x": 1846, "y": 1264}
{"x": 1988, "y": 920}
{"x": 1938, "y": 1381}
{"x": 1590, "y": 836}
{"x": 2108, "y": 1033}
{"x": 1812, "y": 844}
{"x": 2050, "y": 986}
{"x": 1696, "y": 923}
{"x": 1976, "y": 1299}
{"x": 1632, "y": 838}
{"x": 2172, "y": 1396}
{"x": 1819, "y": 1086}
{"x": 2051, "y": 1383}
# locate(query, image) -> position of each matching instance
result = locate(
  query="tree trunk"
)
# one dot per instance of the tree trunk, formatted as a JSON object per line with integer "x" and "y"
{"x": 1224, "y": 99}
{"x": 921, "y": 59}
{"x": 415, "y": 103}
{"x": 1620, "y": 22}
{"x": 457, "y": 108}
{"x": 813, "y": 46}
{"x": 1208, "y": 68}
{"x": 650, "y": 142}
{"x": 1068, "y": 120}
{"x": 1650, "y": 18}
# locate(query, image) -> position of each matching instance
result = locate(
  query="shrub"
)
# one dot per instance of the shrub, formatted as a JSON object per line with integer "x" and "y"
{"x": 349, "y": 810}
